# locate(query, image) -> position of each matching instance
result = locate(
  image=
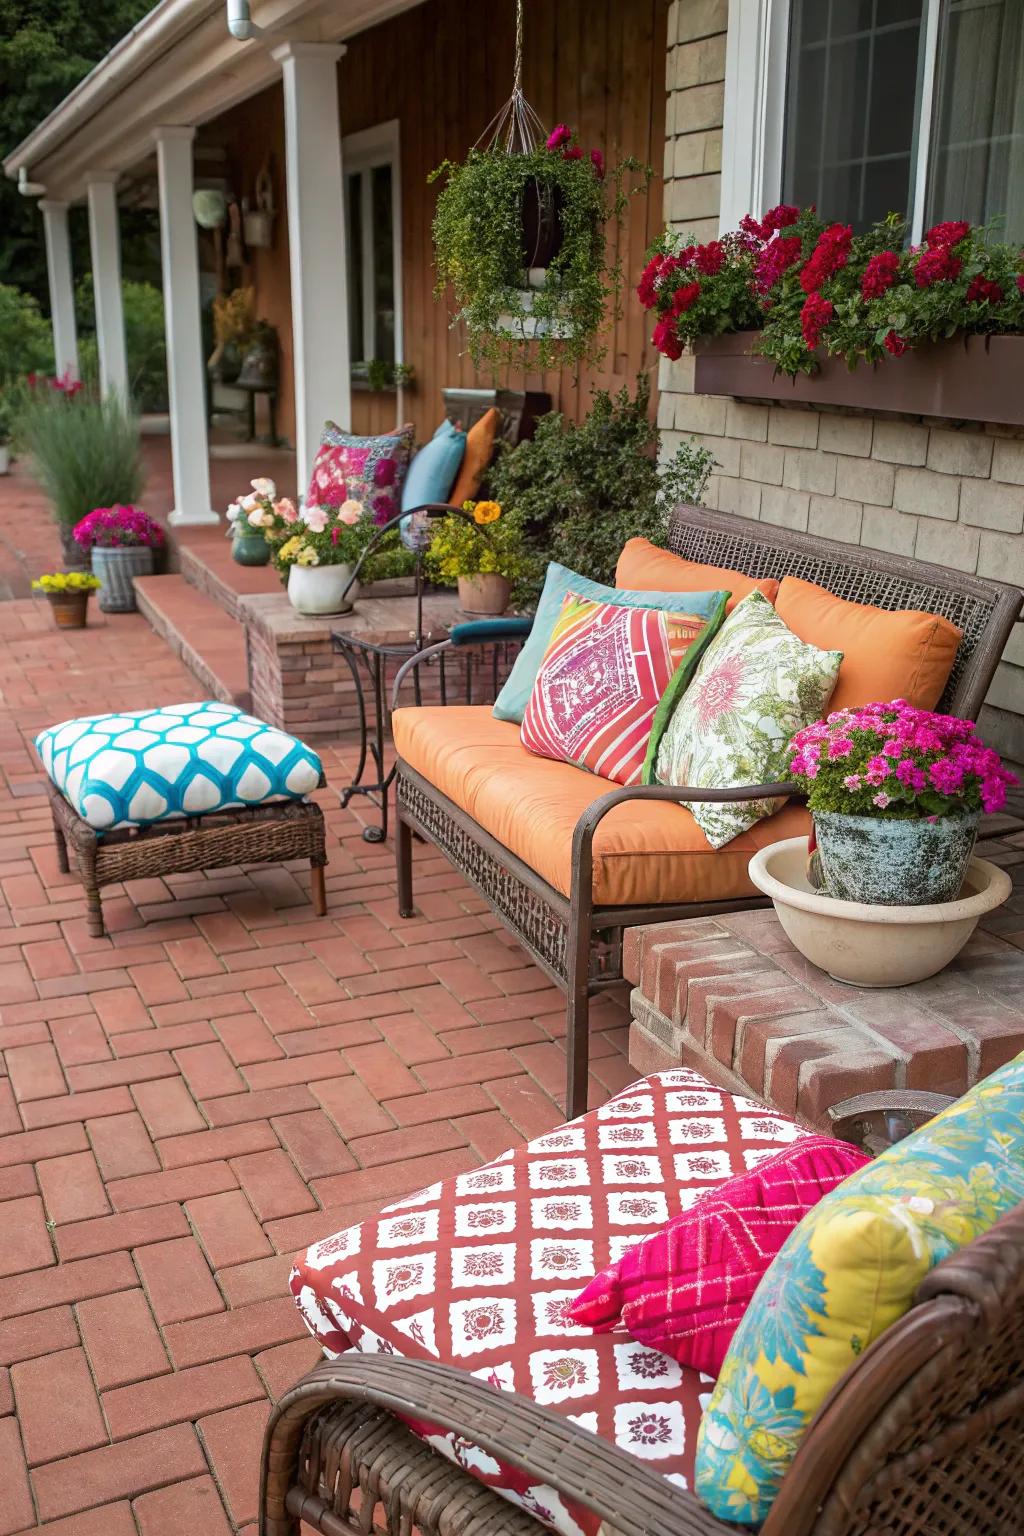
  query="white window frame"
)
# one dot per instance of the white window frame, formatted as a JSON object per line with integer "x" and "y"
{"x": 365, "y": 151}
{"x": 753, "y": 125}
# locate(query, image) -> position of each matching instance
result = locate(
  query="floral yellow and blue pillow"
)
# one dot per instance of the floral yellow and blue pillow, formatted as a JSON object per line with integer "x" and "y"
{"x": 847, "y": 1272}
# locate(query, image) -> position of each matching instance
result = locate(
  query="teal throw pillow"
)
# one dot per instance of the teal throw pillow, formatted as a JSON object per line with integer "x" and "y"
{"x": 559, "y": 582}
{"x": 431, "y": 477}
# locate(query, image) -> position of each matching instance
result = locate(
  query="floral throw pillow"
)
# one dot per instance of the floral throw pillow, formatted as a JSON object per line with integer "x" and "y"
{"x": 755, "y": 686}
{"x": 367, "y": 469}
{"x": 600, "y": 682}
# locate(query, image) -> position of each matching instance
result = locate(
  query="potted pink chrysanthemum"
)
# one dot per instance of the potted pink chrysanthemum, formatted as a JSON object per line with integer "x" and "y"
{"x": 896, "y": 794}
{"x": 121, "y": 541}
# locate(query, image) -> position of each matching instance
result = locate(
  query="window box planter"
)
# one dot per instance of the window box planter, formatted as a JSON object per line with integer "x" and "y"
{"x": 972, "y": 378}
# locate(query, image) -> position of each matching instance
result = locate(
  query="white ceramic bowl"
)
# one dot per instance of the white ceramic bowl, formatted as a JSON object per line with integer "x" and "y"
{"x": 873, "y": 946}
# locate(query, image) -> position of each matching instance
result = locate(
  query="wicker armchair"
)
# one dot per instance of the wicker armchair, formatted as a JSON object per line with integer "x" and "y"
{"x": 579, "y": 944}
{"x": 924, "y": 1436}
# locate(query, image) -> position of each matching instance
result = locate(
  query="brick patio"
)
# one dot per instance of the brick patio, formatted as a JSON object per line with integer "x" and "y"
{"x": 186, "y": 1102}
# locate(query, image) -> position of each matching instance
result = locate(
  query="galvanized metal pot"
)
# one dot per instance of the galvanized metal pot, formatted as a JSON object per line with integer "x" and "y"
{"x": 115, "y": 569}
{"x": 895, "y": 863}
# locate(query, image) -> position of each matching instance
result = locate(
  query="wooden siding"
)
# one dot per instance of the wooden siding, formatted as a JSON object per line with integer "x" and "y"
{"x": 443, "y": 70}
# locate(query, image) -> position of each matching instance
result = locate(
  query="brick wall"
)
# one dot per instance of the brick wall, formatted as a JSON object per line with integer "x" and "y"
{"x": 951, "y": 492}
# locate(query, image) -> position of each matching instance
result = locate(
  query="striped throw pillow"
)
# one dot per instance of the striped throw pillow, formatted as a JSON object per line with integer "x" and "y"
{"x": 601, "y": 680}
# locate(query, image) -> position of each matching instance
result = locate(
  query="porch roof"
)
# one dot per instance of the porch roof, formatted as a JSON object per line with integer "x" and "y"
{"x": 178, "y": 66}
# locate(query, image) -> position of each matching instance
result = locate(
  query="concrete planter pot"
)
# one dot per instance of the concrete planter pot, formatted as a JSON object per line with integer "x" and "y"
{"x": 116, "y": 569}
{"x": 486, "y": 594}
{"x": 873, "y": 946}
{"x": 894, "y": 863}
{"x": 316, "y": 590}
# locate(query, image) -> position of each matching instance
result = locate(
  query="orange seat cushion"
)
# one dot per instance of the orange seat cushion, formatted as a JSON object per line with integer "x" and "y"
{"x": 643, "y": 567}
{"x": 904, "y": 655}
{"x": 478, "y": 454}
{"x": 643, "y": 852}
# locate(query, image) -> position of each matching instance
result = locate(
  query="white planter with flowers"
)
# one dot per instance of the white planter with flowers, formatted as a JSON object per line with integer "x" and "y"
{"x": 318, "y": 590}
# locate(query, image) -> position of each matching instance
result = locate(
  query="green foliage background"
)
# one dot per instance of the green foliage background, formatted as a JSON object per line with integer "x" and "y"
{"x": 46, "y": 47}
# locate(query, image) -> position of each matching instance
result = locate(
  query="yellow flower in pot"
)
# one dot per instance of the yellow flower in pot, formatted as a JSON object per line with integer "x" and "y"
{"x": 480, "y": 551}
{"x": 68, "y": 593}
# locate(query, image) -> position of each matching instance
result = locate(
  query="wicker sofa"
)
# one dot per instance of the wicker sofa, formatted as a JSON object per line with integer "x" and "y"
{"x": 601, "y": 860}
{"x": 922, "y": 1437}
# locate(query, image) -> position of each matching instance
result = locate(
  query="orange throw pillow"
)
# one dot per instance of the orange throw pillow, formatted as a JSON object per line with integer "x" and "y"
{"x": 903, "y": 655}
{"x": 479, "y": 452}
{"x": 643, "y": 567}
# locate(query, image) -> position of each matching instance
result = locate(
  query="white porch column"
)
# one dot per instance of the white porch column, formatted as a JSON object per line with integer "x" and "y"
{"x": 317, "y": 244}
{"x": 62, "y": 286}
{"x": 105, "y": 245}
{"x": 186, "y": 367}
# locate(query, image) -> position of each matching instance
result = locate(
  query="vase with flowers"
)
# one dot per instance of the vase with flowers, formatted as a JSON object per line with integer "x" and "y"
{"x": 896, "y": 794}
{"x": 68, "y": 593}
{"x": 247, "y": 522}
{"x": 120, "y": 541}
{"x": 316, "y": 553}
{"x": 481, "y": 553}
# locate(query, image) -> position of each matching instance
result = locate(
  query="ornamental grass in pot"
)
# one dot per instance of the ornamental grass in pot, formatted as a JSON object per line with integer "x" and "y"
{"x": 896, "y": 794}
{"x": 120, "y": 541}
{"x": 68, "y": 593}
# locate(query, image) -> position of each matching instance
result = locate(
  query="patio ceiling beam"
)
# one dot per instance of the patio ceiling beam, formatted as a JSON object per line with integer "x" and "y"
{"x": 316, "y": 243}
{"x": 105, "y": 248}
{"x": 186, "y": 368}
{"x": 62, "y": 286}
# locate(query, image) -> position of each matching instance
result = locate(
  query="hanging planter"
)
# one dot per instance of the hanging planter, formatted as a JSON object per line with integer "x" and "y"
{"x": 520, "y": 236}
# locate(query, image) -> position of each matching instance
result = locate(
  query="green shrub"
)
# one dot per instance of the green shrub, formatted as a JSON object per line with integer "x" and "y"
{"x": 86, "y": 452}
{"x": 580, "y": 491}
{"x": 26, "y": 341}
{"x": 144, "y": 337}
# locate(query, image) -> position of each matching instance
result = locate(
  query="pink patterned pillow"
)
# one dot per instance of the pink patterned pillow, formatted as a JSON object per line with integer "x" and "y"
{"x": 601, "y": 680}
{"x": 684, "y": 1289}
{"x": 367, "y": 469}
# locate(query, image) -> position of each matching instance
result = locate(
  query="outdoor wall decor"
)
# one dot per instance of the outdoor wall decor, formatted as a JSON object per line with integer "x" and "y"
{"x": 520, "y": 235}
{"x": 788, "y": 307}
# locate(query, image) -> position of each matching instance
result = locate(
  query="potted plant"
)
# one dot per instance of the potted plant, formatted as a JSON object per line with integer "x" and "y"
{"x": 68, "y": 593}
{"x": 316, "y": 553}
{"x": 234, "y": 326}
{"x": 896, "y": 794}
{"x": 483, "y": 564}
{"x": 120, "y": 540}
{"x": 86, "y": 452}
{"x": 247, "y": 524}
{"x": 521, "y": 238}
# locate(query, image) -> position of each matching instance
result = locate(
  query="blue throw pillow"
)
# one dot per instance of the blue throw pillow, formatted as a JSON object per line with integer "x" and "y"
{"x": 512, "y": 700}
{"x": 433, "y": 470}
{"x": 146, "y": 765}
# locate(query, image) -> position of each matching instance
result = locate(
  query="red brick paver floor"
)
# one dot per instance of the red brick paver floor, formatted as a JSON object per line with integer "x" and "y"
{"x": 186, "y": 1102}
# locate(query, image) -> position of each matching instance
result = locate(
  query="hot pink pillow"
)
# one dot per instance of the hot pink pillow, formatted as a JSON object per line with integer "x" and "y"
{"x": 366, "y": 469}
{"x": 684, "y": 1289}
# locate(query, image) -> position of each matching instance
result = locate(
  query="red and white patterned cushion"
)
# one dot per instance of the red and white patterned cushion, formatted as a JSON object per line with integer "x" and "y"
{"x": 477, "y": 1271}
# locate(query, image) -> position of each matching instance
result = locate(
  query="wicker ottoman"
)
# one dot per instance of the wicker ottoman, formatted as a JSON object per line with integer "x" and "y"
{"x": 265, "y": 834}
{"x": 179, "y": 788}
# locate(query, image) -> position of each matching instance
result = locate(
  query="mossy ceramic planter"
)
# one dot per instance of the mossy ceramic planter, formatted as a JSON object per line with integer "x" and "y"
{"x": 894, "y": 863}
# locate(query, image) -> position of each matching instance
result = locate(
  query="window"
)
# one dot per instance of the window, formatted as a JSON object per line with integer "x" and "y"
{"x": 373, "y": 220}
{"x": 866, "y": 107}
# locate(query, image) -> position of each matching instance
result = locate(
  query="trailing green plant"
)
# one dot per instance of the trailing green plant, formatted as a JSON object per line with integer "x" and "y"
{"x": 86, "y": 452}
{"x": 579, "y": 491}
{"x": 26, "y": 341}
{"x": 479, "y": 249}
{"x": 492, "y": 544}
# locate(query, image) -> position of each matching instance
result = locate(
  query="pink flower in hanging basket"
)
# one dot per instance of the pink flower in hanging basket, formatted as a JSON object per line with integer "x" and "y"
{"x": 559, "y": 135}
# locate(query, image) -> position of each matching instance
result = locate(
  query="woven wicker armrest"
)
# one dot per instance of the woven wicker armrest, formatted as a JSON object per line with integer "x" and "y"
{"x": 678, "y": 794}
{"x": 618, "y": 1487}
{"x": 875, "y": 1121}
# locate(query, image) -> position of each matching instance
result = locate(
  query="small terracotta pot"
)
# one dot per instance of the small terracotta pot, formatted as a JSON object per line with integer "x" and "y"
{"x": 485, "y": 593}
{"x": 70, "y": 609}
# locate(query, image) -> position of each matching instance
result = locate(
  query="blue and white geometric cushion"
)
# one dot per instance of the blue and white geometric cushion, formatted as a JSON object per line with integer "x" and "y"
{"x": 146, "y": 765}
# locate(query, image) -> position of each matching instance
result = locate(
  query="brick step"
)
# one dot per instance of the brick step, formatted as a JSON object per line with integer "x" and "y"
{"x": 209, "y": 641}
{"x": 203, "y": 557}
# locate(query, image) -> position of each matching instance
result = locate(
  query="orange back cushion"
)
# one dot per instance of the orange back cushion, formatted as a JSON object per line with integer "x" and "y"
{"x": 643, "y": 567}
{"x": 479, "y": 452}
{"x": 906, "y": 655}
